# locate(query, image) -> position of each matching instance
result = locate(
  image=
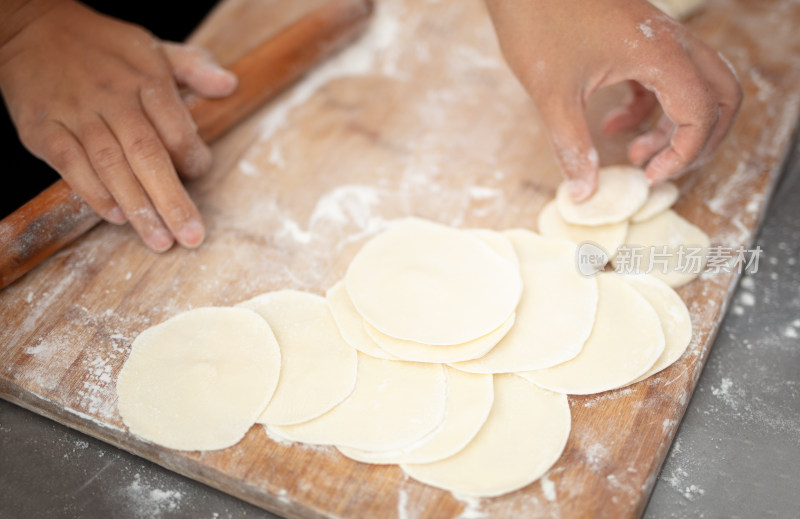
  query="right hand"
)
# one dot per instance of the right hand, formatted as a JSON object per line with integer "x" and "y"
{"x": 98, "y": 100}
{"x": 564, "y": 50}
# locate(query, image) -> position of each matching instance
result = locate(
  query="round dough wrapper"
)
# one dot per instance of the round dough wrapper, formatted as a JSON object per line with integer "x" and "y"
{"x": 679, "y": 248}
{"x": 555, "y": 315}
{"x": 319, "y": 367}
{"x": 350, "y": 322}
{"x": 417, "y": 352}
{"x": 498, "y": 242}
{"x": 621, "y": 191}
{"x": 394, "y": 404}
{"x": 523, "y": 437}
{"x": 625, "y": 342}
{"x": 608, "y": 237}
{"x": 424, "y": 282}
{"x": 662, "y": 197}
{"x": 673, "y": 314}
{"x": 678, "y": 9}
{"x": 199, "y": 380}
{"x": 469, "y": 400}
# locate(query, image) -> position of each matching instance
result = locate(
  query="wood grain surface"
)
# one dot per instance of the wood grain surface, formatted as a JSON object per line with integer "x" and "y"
{"x": 420, "y": 117}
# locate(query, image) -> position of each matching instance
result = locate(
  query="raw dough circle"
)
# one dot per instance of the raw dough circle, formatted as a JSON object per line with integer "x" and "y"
{"x": 661, "y": 198}
{"x": 498, "y": 242}
{"x": 555, "y": 315}
{"x": 415, "y": 351}
{"x": 523, "y": 437}
{"x": 608, "y": 237}
{"x": 469, "y": 400}
{"x": 625, "y": 342}
{"x": 350, "y": 322}
{"x": 199, "y": 380}
{"x": 673, "y": 314}
{"x": 319, "y": 367}
{"x": 394, "y": 404}
{"x": 666, "y": 235}
{"x": 431, "y": 284}
{"x": 621, "y": 191}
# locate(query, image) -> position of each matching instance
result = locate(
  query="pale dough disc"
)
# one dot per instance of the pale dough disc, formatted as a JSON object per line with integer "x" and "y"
{"x": 469, "y": 400}
{"x": 679, "y": 248}
{"x": 394, "y": 404}
{"x": 678, "y": 9}
{"x": 555, "y": 315}
{"x": 608, "y": 237}
{"x": 319, "y": 367}
{"x": 350, "y": 322}
{"x": 625, "y": 342}
{"x": 427, "y": 283}
{"x": 415, "y": 351}
{"x": 524, "y": 435}
{"x": 662, "y": 197}
{"x": 199, "y": 380}
{"x": 621, "y": 191}
{"x": 498, "y": 243}
{"x": 673, "y": 314}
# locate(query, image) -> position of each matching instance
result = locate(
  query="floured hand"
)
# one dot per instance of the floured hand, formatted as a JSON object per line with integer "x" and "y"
{"x": 98, "y": 100}
{"x": 563, "y": 50}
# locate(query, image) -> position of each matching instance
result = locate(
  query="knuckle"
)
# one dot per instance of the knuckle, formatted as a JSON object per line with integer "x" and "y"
{"x": 108, "y": 158}
{"x": 145, "y": 147}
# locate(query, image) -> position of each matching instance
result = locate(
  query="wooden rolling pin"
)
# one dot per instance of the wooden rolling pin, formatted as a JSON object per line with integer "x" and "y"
{"x": 57, "y": 216}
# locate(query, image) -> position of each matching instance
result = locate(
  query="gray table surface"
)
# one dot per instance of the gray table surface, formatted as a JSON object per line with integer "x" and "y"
{"x": 736, "y": 454}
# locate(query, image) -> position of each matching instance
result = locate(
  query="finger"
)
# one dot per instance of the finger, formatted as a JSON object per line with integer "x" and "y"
{"x": 195, "y": 68}
{"x": 151, "y": 164}
{"x": 176, "y": 128}
{"x": 691, "y": 105}
{"x": 720, "y": 75}
{"x": 108, "y": 160}
{"x": 573, "y": 147}
{"x": 60, "y": 149}
{"x": 634, "y": 111}
{"x": 644, "y": 147}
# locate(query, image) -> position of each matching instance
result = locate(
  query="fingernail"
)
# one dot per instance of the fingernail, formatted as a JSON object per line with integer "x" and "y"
{"x": 192, "y": 234}
{"x": 116, "y": 216}
{"x": 161, "y": 240}
{"x": 579, "y": 190}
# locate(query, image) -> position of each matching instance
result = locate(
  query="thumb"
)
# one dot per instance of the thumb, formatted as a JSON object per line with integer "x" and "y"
{"x": 195, "y": 68}
{"x": 573, "y": 147}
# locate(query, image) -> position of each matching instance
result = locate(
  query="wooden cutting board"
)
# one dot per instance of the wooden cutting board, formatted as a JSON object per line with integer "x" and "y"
{"x": 420, "y": 117}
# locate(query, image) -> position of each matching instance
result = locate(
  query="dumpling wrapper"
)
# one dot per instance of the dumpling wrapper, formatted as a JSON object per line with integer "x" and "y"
{"x": 662, "y": 196}
{"x": 621, "y": 191}
{"x": 469, "y": 401}
{"x": 626, "y": 341}
{"x": 319, "y": 368}
{"x": 556, "y": 313}
{"x": 673, "y": 314}
{"x": 199, "y": 380}
{"x": 350, "y": 322}
{"x": 414, "y": 351}
{"x": 679, "y": 248}
{"x": 608, "y": 237}
{"x": 393, "y": 405}
{"x": 524, "y": 435}
{"x": 428, "y": 283}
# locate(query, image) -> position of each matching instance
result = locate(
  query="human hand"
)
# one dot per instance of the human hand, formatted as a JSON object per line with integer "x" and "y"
{"x": 563, "y": 50}
{"x": 98, "y": 100}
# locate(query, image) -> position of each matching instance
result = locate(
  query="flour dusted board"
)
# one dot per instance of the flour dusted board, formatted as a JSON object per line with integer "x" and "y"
{"x": 420, "y": 117}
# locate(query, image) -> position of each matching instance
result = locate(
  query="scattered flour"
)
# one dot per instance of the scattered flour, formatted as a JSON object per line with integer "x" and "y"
{"x": 152, "y": 503}
{"x": 548, "y": 488}
{"x": 472, "y": 508}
